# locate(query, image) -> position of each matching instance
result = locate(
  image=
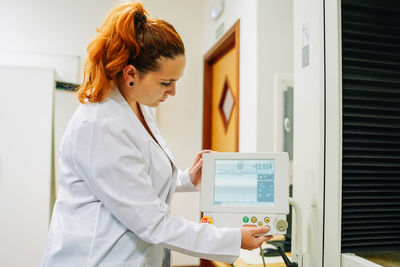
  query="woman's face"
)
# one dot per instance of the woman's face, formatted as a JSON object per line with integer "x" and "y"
{"x": 154, "y": 87}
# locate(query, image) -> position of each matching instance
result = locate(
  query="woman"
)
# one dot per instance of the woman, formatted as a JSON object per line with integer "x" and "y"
{"x": 117, "y": 173}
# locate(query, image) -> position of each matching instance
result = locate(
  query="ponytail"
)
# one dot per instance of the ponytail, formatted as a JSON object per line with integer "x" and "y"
{"x": 128, "y": 36}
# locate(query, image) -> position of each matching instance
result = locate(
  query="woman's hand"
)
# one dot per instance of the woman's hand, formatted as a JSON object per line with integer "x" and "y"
{"x": 252, "y": 237}
{"x": 195, "y": 168}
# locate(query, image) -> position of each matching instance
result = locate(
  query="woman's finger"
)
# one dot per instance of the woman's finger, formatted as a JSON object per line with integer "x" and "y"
{"x": 199, "y": 156}
{"x": 198, "y": 166}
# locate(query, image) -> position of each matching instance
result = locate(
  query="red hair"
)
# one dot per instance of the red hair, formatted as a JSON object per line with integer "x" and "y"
{"x": 127, "y": 36}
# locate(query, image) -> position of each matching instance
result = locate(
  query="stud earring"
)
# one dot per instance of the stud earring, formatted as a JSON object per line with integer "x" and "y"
{"x": 131, "y": 84}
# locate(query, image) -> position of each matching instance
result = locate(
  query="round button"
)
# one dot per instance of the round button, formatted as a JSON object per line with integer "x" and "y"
{"x": 260, "y": 223}
{"x": 281, "y": 225}
{"x": 245, "y": 219}
{"x": 253, "y": 219}
{"x": 207, "y": 219}
{"x": 267, "y": 220}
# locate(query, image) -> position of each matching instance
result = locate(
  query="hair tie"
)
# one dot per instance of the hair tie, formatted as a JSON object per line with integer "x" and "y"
{"x": 140, "y": 17}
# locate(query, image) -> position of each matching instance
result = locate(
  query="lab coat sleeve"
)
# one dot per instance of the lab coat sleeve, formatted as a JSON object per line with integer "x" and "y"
{"x": 184, "y": 184}
{"x": 112, "y": 165}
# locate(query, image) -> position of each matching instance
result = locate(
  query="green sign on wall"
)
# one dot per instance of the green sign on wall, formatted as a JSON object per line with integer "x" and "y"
{"x": 219, "y": 31}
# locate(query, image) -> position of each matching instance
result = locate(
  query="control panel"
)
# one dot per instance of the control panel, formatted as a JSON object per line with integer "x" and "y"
{"x": 276, "y": 223}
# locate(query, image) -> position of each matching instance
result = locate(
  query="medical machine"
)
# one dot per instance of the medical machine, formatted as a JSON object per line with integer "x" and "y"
{"x": 246, "y": 189}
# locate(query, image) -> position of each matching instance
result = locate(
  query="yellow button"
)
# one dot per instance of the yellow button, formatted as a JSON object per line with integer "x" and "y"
{"x": 253, "y": 219}
{"x": 266, "y": 220}
{"x": 260, "y": 223}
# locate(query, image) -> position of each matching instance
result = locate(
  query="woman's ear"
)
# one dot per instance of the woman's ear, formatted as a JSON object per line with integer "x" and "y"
{"x": 130, "y": 73}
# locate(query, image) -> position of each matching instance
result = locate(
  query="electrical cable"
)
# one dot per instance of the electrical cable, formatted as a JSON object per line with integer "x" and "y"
{"x": 288, "y": 263}
{"x": 262, "y": 256}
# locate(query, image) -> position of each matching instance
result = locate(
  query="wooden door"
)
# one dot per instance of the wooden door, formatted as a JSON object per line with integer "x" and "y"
{"x": 221, "y": 84}
{"x": 221, "y": 94}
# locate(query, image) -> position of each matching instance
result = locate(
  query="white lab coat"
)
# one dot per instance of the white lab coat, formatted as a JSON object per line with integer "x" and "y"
{"x": 115, "y": 188}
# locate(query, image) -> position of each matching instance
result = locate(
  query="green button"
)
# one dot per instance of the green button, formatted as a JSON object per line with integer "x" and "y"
{"x": 245, "y": 219}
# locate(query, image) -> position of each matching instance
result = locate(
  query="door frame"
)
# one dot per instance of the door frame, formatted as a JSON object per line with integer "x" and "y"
{"x": 228, "y": 41}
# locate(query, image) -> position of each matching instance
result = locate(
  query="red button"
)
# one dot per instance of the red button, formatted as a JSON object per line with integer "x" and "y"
{"x": 207, "y": 219}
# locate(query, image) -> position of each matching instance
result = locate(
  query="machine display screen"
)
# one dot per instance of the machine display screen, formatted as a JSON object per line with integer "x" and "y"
{"x": 244, "y": 182}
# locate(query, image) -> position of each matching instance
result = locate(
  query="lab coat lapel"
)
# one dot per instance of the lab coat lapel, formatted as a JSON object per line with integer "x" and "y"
{"x": 150, "y": 120}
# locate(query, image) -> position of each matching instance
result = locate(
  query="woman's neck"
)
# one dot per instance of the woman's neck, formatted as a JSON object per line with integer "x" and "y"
{"x": 137, "y": 110}
{"x": 131, "y": 102}
{"x": 135, "y": 107}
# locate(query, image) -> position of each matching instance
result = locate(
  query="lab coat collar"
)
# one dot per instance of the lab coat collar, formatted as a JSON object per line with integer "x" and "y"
{"x": 150, "y": 120}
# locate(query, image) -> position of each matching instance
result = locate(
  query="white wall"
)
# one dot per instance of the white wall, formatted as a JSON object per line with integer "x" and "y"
{"x": 308, "y": 167}
{"x": 275, "y": 56}
{"x": 246, "y": 11}
{"x": 50, "y": 27}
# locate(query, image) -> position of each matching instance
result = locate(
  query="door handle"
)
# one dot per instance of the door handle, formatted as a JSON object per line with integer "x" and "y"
{"x": 287, "y": 125}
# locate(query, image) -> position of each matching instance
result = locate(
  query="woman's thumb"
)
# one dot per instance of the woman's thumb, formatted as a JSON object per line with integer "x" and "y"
{"x": 260, "y": 230}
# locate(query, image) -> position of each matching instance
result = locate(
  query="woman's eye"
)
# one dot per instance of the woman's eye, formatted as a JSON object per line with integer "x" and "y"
{"x": 166, "y": 84}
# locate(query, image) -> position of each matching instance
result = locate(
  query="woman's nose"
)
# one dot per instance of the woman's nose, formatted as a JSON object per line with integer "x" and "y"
{"x": 172, "y": 92}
